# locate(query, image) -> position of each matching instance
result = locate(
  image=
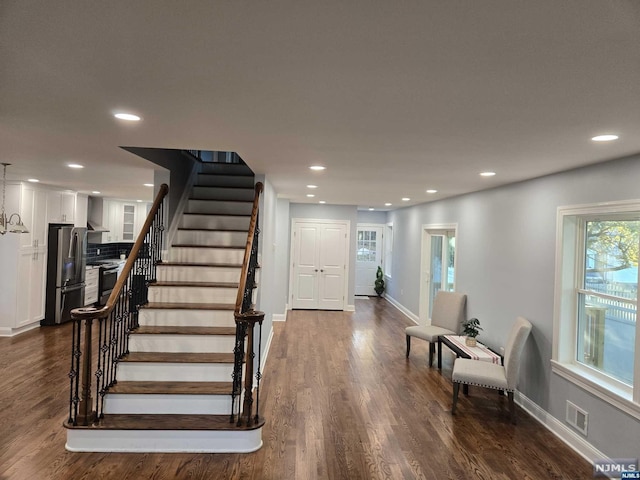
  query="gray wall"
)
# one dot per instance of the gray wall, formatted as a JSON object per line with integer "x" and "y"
{"x": 365, "y": 216}
{"x": 333, "y": 212}
{"x": 506, "y": 266}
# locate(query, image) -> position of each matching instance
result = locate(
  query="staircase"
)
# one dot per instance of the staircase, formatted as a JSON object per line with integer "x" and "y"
{"x": 174, "y": 388}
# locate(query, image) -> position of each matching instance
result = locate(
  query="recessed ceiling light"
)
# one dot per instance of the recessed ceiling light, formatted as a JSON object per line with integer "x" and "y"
{"x": 431, "y": 190}
{"x": 487, "y": 174}
{"x": 388, "y": 204}
{"x": 95, "y": 192}
{"x": 75, "y": 165}
{"x": 371, "y": 209}
{"x": 604, "y": 138}
{"x": 312, "y": 186}
{"x": 148, "y": 184}
{"x": 405, "y": 199}
{"x": 322, "y": 201}
{"x": 317, "y": 167}
{"x": 33, "y": 180}
{"x": 129, "y": 117}
{"x": 310, "y": 195}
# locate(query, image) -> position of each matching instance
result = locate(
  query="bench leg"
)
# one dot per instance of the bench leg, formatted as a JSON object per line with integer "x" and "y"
{"x": 432, "y": 350}
{"x": 408, "y": 345}
{"x": 512, "y": 407}
{"x": 456, "y": 389}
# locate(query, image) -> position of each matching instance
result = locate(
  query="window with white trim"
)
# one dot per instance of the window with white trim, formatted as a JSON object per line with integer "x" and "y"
{"x": 596, "y": 342}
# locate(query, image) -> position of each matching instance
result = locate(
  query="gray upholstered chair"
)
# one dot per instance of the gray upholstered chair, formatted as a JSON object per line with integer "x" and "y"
{"x": 489, "y": 375}
{"x": 446, "y": 316}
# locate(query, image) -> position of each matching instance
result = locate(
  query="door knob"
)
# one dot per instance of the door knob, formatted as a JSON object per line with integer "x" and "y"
{"x": 321, "y": 270}
{"x": 316, "y": 270}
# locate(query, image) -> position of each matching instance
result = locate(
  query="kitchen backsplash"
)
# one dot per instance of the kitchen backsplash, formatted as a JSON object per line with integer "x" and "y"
{"x": 107, "y": 250}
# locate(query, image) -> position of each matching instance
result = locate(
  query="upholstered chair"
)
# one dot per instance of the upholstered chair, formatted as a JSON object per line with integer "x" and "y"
{"x": 446, "y": 316}
{"x": 489, "y": 375}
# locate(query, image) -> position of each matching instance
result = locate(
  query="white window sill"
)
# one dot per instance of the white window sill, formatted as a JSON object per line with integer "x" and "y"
{"x": 609, "y": 392}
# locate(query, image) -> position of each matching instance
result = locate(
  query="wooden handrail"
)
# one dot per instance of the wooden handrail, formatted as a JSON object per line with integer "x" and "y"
{"x": 249, "y": 246}
{"x": 103, "y": 312}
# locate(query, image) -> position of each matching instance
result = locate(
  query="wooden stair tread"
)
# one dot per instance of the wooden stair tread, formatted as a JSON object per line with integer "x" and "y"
{"x": 172, "y": 388}
{"x": 184, "y": 229}
{"x": 219, "y": 214}
{"x": 179, "y": 357}
{"x": 178, "y": 330}
{"x": 197, "y": 284}
{"x": 190, "y": 306}
{"x": 220, "y": 200}
{"x": 187, "y": 264}
{"x": 190, "y": 245}
{"x": 165, "y": 421}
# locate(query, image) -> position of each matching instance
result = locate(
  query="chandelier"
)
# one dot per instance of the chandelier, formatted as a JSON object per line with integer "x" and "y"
{"x": 9, "y": 224}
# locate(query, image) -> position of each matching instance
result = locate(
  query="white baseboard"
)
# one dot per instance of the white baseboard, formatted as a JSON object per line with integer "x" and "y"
{"x": 263, "y": 360}
{"x": 576, "y": 442}
{"x": 350, "y": 308}
{"x": 413, "y": 317}
{"x": 279, "y": 317}
{"x": 10, "y": 332}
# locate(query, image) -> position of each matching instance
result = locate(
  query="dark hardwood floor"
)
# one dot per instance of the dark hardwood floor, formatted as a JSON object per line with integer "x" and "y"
{"x": 340, "y": 400}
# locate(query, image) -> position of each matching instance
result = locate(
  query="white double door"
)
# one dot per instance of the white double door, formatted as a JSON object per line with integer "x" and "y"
{"x": 319, "y": 267}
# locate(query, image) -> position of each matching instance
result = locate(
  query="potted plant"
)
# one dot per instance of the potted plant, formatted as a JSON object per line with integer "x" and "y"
{"x": 471, "y": 328}
{"x": 379, "y": 283}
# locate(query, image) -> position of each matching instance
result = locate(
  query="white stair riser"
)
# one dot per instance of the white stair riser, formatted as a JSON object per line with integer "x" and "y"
{"x": 182, "y": 343}
{"x": 197, "y": 274}
{"x": 223, "y": 193}
{"x": 206, "y": 255}
{"x": 214, "y": 238}
{"x": 226, "y": 181}
{"x": 177, "y": 294}
{"x": 222, "y": 206}
{"x": 214, "y": 222}
{"x": 162, "y": 317}
{"x": 167, "y": 372}
{"x": 167, "y": 404}
{"x": 167, "y": 441}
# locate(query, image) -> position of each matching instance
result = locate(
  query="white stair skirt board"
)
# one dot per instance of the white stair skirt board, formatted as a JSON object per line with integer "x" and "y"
{"x": 238, "y": 181}
{"x": 223, "y": 193}
{"x": 165, "y": 317}
{"x": 206, "y": 255}
{"x": 190, "y": 294}
{"x": 165, "y": 441}
{"x": 209, "y": 238}
{"x": 167, "y": 372}
{"x": 219, "y": 206}
{"x": 182, "y": 343}
{"x": 213, "y": 222}
{"x": 185, "y": 273}
{"x": 166, "y": 404}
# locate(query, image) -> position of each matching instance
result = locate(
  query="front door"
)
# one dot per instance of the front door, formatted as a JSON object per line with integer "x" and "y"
{"x": 319, "y": 265}
{"x": 368, "y": 257}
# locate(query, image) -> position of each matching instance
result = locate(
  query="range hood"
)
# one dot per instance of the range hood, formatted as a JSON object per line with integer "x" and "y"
{"x": 95, "y": 227}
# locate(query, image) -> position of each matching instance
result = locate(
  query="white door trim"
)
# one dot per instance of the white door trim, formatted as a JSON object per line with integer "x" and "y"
{"x": 347, "y": 224}
{"x": 425, "y": 264}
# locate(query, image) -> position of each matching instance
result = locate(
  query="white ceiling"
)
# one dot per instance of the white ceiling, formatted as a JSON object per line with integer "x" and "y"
{"x": 393, "y": 97}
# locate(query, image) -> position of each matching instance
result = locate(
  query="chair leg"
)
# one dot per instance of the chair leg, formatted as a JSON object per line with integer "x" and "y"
{"x": 456, "y": 389}
{"x": 432, "y": 350}
{"x": 512, "y": 407}
{"x": 408, "y": 345}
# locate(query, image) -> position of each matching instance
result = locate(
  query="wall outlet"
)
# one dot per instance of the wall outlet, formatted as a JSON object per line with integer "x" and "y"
{"x": 97, "y": 251}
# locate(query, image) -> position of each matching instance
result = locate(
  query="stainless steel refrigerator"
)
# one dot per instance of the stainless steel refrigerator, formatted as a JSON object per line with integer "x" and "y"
{"x": 66, "y": 259}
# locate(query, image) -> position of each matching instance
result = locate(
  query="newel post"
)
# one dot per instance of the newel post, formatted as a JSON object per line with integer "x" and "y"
{"x": 250, "y": 319}
{"x": 85, "y": 415}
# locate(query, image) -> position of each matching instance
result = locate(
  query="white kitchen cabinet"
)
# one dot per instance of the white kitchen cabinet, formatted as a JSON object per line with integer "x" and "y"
{"x": 61, "y": 206}
{"x": 81, "y": 214}
{"x": 111, "y": 220}
{"x": 24, "y": 260}
{"x": 31, "y": 278}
